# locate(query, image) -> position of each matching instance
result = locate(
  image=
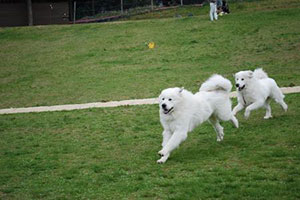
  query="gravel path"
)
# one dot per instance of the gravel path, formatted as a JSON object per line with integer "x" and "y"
{"x": 285, "y": 90}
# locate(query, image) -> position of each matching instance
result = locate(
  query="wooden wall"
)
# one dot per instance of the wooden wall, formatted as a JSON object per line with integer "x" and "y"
{"x": 50, "y": 13}
{"x": 15, "y": 14}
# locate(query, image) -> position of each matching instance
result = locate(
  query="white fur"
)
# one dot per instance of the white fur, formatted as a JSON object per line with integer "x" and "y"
{"x": 255, "y": 90}
{"x": 181, "y": 111}
{"x": 216, "y": 82}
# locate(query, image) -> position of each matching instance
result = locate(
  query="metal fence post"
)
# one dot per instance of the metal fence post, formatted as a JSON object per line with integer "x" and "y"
{"x": 122, "y": 6}
{"x": 74, "y": 13}
{"x": 181, "y": 2}
{"x": 93, "y": 7}
{"x": 151, "y": 4}
{"x": 29, "y": 11}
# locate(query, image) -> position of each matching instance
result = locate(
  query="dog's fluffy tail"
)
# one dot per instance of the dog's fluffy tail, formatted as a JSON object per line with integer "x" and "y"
{"x": 216, "y": 82}
{"x": 260, "y": 74}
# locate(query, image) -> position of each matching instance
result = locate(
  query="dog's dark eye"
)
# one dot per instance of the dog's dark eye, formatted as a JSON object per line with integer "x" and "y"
{"x": 170, "y": 99}
{"x": 163, "y": 99}
{"x": 237, "y": 79}
{"x": 242, "y": 79}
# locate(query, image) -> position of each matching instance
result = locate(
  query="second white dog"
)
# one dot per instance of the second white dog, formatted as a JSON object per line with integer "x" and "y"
{"x": 181, "y": 111}
{"x": 255, "y": 90}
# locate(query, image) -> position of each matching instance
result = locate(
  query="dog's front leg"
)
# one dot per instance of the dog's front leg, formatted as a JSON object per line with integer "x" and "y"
{"x": 176, "y": 139}
{"x": 237, "y": 108}
{"x": 166, "y": 137}
{"x": 253, "y": 106}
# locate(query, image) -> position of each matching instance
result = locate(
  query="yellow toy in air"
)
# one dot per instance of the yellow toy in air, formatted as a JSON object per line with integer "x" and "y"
{"x": 151, "y": 45}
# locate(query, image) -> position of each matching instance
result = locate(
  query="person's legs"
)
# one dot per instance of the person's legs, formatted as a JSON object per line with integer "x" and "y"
{"x": 215, "y": 12}
{"x": 211, "y": 12}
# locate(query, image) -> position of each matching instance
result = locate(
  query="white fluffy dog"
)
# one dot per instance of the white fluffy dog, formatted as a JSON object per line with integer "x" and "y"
{"x": 181, "y": 111}
{"x": 255, "y": 90}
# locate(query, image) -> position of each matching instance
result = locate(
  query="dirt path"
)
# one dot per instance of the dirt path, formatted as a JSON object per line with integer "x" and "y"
{"x": 285, "y": 90}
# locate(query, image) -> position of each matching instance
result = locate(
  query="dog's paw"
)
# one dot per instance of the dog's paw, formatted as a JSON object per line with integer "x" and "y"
{"x": 161, "y": 153}
{"x": 161, "y": 161}
{"x": 236, "y": 125}
{"x": 246, "y": 115}
{"x": 220, "y": 138}
{"x": 235, "y": 122}
{"x": 267, "y": 116}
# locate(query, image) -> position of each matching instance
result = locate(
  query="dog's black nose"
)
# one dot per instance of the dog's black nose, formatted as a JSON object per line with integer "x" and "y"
{"x": 164, "y": 106}
{"x": 237, "y": 85}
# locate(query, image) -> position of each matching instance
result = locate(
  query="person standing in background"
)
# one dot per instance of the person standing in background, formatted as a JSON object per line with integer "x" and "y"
{"x": 219, "y": 6}
{"x": 213, "y": 10}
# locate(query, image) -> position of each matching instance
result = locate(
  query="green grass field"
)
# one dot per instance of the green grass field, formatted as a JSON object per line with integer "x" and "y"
{"x": 49, "y": 65}
{"x": 111, "y": 153}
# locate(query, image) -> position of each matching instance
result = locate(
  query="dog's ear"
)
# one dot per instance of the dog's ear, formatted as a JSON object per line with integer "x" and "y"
{"x": 250, "y": 74}
{"x": 181, "y": 89}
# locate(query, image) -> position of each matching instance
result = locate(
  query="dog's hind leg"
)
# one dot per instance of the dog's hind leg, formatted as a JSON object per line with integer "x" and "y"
{"x": 282, "y": 104}
{"x": 218, "y": 128}
{"x": 268, "y": 109}
{"x": 278, "y": 97}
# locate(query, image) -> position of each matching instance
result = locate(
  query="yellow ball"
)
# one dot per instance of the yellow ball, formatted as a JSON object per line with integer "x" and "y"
{"x": 151, "y": 45}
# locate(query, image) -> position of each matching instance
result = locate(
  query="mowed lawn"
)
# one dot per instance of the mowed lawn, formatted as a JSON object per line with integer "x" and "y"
{"x": 50, "y": 65}
{"x": 111, "y": 154}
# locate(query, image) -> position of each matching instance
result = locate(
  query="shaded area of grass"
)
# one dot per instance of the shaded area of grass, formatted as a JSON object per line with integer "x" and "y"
{"x": 111, "y": 154}
{"x": 48, "y": 65}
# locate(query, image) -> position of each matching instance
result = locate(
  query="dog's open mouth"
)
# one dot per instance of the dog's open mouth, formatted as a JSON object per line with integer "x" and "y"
{"x": 167, "y": 111}
{"x": 241, "y": 88}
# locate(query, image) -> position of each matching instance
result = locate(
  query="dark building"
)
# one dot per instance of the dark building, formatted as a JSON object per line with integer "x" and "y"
{"x": 16, "y": 12}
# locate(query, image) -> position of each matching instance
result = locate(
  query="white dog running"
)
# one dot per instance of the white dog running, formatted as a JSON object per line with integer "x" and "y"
{"x": 181, "y": 111}
{"x": 255, "y": 90}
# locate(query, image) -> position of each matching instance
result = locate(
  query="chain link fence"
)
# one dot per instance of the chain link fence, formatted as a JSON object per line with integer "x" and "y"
{"x": 109, "y": 10}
